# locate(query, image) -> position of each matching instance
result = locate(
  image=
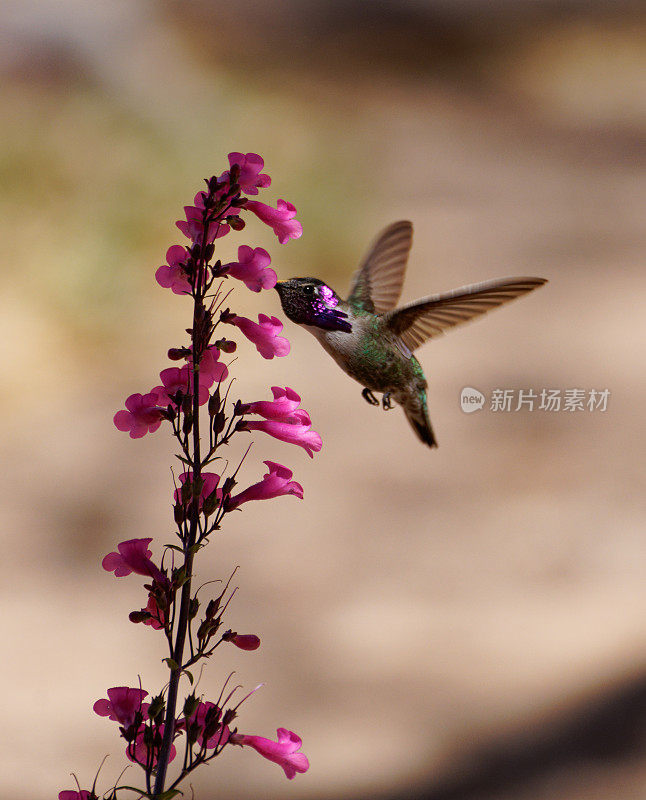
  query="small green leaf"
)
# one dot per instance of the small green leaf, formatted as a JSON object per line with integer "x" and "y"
{"x": 172, "y": 664}
{"x": 189, "y": 676}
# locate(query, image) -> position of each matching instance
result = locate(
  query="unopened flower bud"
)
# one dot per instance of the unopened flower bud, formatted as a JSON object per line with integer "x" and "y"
{"x": 245, "y": 641}
{"x": 187, "y": 424}
{"x": 178, "y": 514}
{"x": 186, "y": 492}
{"x": 227, "y": 486}
{"x": 210, "y": 504}
{"x": 214, "y": 402}
{"x": 190, "y": 705}
{"x": 193, "y": 608}
{"x": 139, "y": 616}
{"x": 219, "y": 421}
{"x": 237, "y": 223}
{"x": 212, "y": 608}
{"x": 208, "y": 251}
{"x": 226, "y": 345}
{"x": 178, "y": 353}
{"x": 156, "y": 708}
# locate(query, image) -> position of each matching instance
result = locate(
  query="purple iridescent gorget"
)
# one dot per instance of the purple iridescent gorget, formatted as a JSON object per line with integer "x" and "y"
{"x": 325, "y": 312}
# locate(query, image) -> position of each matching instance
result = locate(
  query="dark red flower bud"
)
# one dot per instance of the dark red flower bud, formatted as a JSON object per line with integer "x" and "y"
{"x": 219, "y": 421}
{"x": 214, "y": 402}
{"x": 212, "y": 608}
{"x": 237, "y": 223}
{"x": 178, "y": 353}
{"x": 226, "y": 345}
{"x": 139, "y": 616}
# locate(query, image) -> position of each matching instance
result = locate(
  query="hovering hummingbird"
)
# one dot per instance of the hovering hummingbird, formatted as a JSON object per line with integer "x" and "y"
{"x": 371, "y": 340}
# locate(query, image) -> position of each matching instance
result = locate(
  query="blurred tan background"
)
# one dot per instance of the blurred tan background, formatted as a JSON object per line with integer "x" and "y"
{"x": 458, "y": 624}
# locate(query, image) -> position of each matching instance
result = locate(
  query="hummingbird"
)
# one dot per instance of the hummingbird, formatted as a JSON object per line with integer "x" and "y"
{"x": 372, "y": 340}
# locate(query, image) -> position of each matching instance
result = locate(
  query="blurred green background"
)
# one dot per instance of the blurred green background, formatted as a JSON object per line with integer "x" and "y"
{"x": 456, "y": 624}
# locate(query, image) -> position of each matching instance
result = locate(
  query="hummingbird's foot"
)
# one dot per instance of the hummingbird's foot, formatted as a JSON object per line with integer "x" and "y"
{"x": 369, "y": 397}
{"x": 386, "y": 402}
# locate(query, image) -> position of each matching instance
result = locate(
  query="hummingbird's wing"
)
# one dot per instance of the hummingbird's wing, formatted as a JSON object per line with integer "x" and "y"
{"x": 431, "y": 316}
{"x": 377, "y": 283}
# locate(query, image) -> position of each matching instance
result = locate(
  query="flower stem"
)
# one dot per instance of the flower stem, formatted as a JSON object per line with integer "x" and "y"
{"x": 185, "y": 602}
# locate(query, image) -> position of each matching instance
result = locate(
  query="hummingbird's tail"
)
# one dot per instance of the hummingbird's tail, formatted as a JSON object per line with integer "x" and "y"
{"x": 417, "y": 414}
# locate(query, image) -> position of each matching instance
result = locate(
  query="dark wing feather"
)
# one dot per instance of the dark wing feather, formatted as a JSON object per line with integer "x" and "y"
{"x": 377, "y": 283}
{"x": 431, "y": 316}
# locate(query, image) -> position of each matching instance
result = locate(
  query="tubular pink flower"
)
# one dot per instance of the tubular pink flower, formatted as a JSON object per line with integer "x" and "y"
{"x": 283, "y": 752}
{"x": 142, "y": 414}
{"x": 206, "y": 717}
{"x": 264, "y": 334}
{"x": 137, "y": 751}
{"x": 209, "y": 486}
{"x": 71, "y": 794}
{"x": 193, "y": 226}
{"x": 277, "y": 482}
{"x": 174, "y": 275}
{"x": 211, "y": 369}
{"x": 250, "y": 178}
{"x": 122, "y": 705}
{"x": 179, "y": 379}
{"x": 252, "y": 268}
{"x": 281, "y": 408}
{"x": 280, "y": 219}
{"x": 133, "y": 556}
{"x": 297, "y": 432}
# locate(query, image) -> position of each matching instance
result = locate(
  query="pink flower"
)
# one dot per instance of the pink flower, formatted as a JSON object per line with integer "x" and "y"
{"x": 71, "y": 794}
{"x": 280, "y": 219}
{"x": 264, "y": 334}
{"x": 297, "y": 431}
{"x": 174, "y": 274}
{"x": 283, "y": 752}
{"x": 209, "y": 486}
{"x": 252, "y": 268}
{"x": 281, "y": 408}
{"x": 193, "y": 227}
{"x": 250, "y": 177}
{"x": 245, "y": 641}
{"x": 211, "y": 369}
{"x": 122, "y": 705}
{"x": 142, "y": 415}
{"x": 179, "y": 379}
{"x": 133, "y": 556}
{"x": 278, "y": 481}
{"x": 206, "y": 718}
{"x": 138, "y": 751}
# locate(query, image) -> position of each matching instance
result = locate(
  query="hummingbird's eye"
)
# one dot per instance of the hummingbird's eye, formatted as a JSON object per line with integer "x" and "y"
{"x": 308, "y": 289}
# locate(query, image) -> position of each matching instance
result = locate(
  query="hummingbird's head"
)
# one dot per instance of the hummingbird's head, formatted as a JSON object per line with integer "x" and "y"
{"x": 309, "y": 301}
